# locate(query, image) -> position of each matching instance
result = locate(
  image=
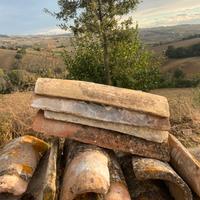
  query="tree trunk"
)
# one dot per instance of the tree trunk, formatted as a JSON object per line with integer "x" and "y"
{"x": 105, "y": 47}
{"x": 106, "y": 60}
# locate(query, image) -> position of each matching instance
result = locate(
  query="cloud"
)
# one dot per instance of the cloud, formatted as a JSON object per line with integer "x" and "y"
{"x": 51, "y": 31}
{"x": 167, "y": 14}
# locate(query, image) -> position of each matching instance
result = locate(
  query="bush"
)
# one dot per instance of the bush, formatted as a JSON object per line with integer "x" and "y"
{"x": 37, "y": 48}
{"x": 18, "y": 56}
{"x": 21, "y": 79}
{"x": 4, "y": 83}
{"x": 178, "y": 74}
{"x": 20, "y": 53}
{"x": 131, "y": 66}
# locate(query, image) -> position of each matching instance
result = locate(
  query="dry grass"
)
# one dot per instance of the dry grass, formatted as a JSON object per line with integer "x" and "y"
{"x": 32, "y": 59}
{"x": 184, "y": 43}
{"x": 185, "y": 114}
{"x": 190, "y": 66}
{"x": 7, "y": 58}
{"x": 16, "y": 115}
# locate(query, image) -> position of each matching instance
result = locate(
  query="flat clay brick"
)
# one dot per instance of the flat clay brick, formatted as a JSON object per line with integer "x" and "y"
{"x": 101, "y": 112}
{"x": 103, "y": 94}
{"x": 102, "y": 138}
{"x": 141, "y": 132}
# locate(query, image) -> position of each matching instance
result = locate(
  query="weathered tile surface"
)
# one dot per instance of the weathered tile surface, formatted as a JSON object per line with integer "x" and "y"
{"x": 43, "y": 183}
{"x": 195, "y": 151}
{"x": 86, "y": 171}
{"x": 185, "y": 164}
{"x": 145, "y": 168}
{"x": 143, "y": 189}
{"x": 18, "y": 161}
{"x": 141, "y": 132}
{"x": 102, "y": 138}
{"x": 108, "y": 95}
{"x": 101, "y": 112}
{"x": 118, "y": 187}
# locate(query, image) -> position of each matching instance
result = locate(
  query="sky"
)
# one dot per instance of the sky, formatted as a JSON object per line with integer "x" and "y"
{"x": 23, "y": 17}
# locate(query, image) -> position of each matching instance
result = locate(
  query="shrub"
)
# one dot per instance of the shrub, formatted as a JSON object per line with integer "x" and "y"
{"x": 4, "y": 83}
{"x": 21, "y": 79}
{"x": 20, "y": 53}
{"x": 18, "y": 56}
{"x": 178, "y": 74}
{"x": 131, "y": 65}
{"x": 37, "y": 48}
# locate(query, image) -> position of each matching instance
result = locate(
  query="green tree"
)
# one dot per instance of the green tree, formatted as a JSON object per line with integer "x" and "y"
{"x": 107, "y": 47}
{"x": 99, "y": 18}
{"x": 131, "y": 65}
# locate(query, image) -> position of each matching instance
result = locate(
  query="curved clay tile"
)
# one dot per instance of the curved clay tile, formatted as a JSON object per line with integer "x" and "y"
{"x": 142, "y": 189}
{"x": 43, "y": 183}
{"x": 86, "y": 171}
{"x": 151, "y": 169}
{"x": 186, "y": 165}
{"x": 18, "y": 161}
{"x": 195, "y": 151}
{"x": 118, "y": 187}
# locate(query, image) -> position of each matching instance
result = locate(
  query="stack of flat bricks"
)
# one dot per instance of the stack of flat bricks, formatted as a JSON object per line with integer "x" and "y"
{"x": 119, "y": 119}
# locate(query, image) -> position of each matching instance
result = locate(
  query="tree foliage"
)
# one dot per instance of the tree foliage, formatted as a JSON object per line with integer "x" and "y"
{"x": 131, "y": 65}
{"x": 107, "y": 47}
{"x": 183, "y": 52}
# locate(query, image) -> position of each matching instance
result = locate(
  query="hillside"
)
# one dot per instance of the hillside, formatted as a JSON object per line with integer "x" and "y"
{"x": 43, "y": 53}
{"x": 168, "y": 34}
{"x": 190, "y": 66}
{"x": 176, "y": 44}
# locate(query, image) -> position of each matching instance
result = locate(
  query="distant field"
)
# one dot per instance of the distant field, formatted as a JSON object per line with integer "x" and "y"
{"x": 7, "y": 58}
{"x": 184, "y": 43}
{"x": 184, "y": 103}
{"x": 190, "y": 66}
{"x": 30, "y": 60}
{"x": 46, "y": 42}
{"x": 185, "y": 114}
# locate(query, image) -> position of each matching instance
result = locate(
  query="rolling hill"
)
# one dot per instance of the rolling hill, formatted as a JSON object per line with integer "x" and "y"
{"x": 168, "y": 34}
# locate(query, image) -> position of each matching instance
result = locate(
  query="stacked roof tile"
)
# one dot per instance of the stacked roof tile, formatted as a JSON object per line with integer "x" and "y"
{"x": 117, "y": 146}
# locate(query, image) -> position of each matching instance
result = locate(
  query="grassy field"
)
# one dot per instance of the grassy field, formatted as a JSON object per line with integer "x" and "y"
{"x": 7, "y": 58}
{"x": 185, "y": 114}
{"x": 190, "y": 66}
{"x": 31, "y": 59}
{"x": 183, "y": 43}
{"x": 17, "y": 115}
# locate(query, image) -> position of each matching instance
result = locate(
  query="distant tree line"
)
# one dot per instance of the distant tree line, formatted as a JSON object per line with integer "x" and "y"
{"x": 183, "y": 52}
{"x": 191, "y": 37}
